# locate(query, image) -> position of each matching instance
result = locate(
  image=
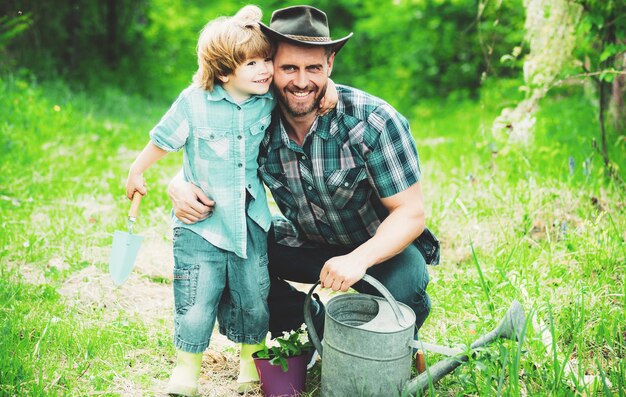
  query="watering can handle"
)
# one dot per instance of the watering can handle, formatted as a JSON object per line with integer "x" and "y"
{"x": 368, "y": 279}
{"x": 387, "y": 295}
{"x": 308, "y": 320}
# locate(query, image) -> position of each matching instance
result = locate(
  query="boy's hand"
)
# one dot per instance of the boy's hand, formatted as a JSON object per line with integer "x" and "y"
{"x": 329, "y": 102}
{"x": 135, "y": 182}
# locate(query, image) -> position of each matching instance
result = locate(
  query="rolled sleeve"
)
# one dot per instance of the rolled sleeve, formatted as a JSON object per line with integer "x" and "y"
{"x": 393, "y": 164}
{"x": 172, "y": 131}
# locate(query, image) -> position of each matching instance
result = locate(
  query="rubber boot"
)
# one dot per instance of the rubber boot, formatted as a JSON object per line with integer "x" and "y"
{"x": 248, "y": 376}
{"x": 184, "y": 379}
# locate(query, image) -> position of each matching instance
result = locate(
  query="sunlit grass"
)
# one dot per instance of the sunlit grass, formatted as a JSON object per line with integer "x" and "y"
{"x": 515, "y": 223}
{"x": 63, "y": 162}
{"x": 523, "y": 223}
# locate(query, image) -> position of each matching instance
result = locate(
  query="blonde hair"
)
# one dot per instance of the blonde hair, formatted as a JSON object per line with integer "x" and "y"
{"x": 226, "y": 42}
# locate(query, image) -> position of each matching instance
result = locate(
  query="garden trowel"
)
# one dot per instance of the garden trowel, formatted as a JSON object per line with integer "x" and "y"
{"x": 125, "y": 246}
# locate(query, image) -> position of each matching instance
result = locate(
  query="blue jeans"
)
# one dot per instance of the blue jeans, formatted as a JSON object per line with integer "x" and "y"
{"x": 212, "y": 283}
{"x": 405, "y": 276}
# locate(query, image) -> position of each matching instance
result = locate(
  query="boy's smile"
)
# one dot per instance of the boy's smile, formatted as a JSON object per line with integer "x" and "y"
{"x": 252, "y": 77}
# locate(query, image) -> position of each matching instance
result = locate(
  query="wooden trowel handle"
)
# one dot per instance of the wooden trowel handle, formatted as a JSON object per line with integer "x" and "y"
{"x": 134, "y": 207}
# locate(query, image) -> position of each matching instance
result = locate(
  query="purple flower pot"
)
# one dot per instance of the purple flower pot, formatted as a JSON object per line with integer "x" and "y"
{"x": 275, "y": 382}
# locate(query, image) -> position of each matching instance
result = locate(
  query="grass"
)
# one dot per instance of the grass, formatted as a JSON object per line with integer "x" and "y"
{"x": 520, "y": 223}
{"x": 539, "y": 224}
{"x": 61, "y": 198}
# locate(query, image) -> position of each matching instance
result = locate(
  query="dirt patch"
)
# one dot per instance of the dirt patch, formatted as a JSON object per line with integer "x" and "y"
{"x": 147, "y": 294}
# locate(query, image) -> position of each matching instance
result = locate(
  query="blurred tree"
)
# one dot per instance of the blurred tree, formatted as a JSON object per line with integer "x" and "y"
{"x": 403, "y": 50}
{"x": 11, "y": 26}
{"x": 602, "y": 54}
{"x": 408, "y": 50}
{"x": 565, "y": 36}
{"x": 78, "y": 39}
{"x": 550, "y": 33}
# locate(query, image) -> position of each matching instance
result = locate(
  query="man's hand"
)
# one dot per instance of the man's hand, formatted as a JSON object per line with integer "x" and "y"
{"x": 190, "y": 203}
{"x": 341, "y": 272}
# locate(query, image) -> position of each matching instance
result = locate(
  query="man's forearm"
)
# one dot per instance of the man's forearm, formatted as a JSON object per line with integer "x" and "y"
{"x": 394, "y": 234}
{"x": 190, "y": 203}
{"x": 177, "y": 180}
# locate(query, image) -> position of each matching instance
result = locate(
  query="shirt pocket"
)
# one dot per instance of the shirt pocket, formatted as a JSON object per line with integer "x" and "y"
{"x": 257, "y": 132}
{"x": 212, "y": 143}
{"x": 277, "y": 183}
{"x": 348, "y": 187}
{"x": 261, "y": 125}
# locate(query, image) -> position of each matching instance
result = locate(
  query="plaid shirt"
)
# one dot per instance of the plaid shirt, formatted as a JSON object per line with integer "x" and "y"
{"x": 329, "y": 189}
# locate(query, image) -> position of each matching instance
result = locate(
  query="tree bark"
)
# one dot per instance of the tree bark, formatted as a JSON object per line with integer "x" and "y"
{"x": 617, "y": 95}
{"x": 112, "y": 44}
{"x": 603, "y": 147}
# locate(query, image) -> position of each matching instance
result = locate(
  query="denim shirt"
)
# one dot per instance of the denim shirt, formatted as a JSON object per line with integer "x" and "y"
{"x": 220, "y": 141}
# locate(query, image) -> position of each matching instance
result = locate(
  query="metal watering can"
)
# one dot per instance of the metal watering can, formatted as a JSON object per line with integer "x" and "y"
{"x": 368, "y": 345}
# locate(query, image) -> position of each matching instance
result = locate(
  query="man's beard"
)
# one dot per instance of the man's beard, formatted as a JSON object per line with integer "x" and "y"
{"x": 301, "y": 110}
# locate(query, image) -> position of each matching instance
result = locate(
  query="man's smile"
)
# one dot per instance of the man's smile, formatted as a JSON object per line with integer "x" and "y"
{"x": 301, "y": 94}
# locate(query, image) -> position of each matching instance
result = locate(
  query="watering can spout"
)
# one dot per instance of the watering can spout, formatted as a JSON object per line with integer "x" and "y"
{"x": 512, "y": 327}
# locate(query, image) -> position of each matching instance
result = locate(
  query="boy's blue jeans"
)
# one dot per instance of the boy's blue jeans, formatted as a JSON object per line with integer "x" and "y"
{"x": 211, "y": 283}
{"x": 404, "y": 275}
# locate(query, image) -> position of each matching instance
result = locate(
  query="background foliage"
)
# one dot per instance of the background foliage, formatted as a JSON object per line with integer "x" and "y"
{"x": 402, "y": 50}
{"x": 82, "y": 82}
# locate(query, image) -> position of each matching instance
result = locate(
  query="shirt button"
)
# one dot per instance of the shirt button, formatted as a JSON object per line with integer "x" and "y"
{"x": 249, "y": 186}
{"x": 303, "y": 157}
{"x": 346, "y": 184}
{"x": 239, "y": 165}
{"x": 239, "y": 137}
{"x": 310, "y": 188}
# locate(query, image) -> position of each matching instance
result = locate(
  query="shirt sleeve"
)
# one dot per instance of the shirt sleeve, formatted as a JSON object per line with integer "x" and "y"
{"x": 171, "y": 133}
{"x": 393, "y": 164}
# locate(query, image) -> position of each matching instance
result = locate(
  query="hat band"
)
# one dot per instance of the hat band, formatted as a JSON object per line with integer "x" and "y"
{"x": 309, "y": 38}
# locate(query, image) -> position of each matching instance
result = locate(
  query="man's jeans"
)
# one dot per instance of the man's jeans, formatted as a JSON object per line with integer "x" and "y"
{"x": 404, "y": 275}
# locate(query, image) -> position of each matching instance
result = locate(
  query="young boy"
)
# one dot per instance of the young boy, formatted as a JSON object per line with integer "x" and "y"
{"x": 220, "y": 264}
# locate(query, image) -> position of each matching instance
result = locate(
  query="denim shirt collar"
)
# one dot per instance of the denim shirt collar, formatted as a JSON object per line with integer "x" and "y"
{"x": 219, "y": 93}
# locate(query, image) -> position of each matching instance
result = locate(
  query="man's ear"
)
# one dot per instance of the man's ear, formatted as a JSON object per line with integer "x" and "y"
{"x": 223, "y": 79}
{"x": 331, "y": 60}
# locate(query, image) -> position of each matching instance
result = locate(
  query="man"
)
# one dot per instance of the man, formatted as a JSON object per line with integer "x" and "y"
{"x": 347, "y": 183}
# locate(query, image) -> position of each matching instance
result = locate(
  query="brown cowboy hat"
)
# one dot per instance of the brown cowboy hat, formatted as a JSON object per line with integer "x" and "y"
{"x": 302, "y": 25}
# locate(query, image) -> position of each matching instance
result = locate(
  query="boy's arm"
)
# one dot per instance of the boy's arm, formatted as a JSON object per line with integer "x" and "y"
{"x": 329, "y": 102}
{"x": 135, "y": 182}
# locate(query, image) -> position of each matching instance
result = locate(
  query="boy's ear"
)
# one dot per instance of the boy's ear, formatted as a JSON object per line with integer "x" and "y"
{"x": 223, "y": 79}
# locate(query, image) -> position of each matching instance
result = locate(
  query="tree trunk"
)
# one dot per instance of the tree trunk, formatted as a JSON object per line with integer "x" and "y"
{"x": 72, "y": 49}
{"x": 618, "y": 110}
{"x": 112, "y": 44}
{"x": 603, "y": 147}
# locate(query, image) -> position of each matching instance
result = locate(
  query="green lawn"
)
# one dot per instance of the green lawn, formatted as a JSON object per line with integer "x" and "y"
{"x": 539, "y": 224}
